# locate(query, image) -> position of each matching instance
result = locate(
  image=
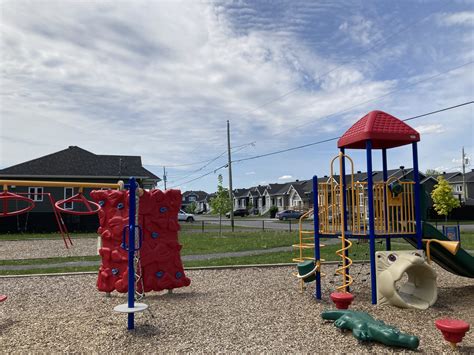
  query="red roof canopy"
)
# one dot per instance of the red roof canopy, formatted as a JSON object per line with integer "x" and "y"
{"x": 384, "y": 130}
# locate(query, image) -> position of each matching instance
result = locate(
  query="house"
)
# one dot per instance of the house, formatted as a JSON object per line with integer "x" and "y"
{"x": 200, "y": 198}
{"x": 300, "y": 195}
{"x": 276, "y": 195}
{"x": 73, "y": 164}
{"x": 256, "y": 199}
{"x": 457, "y": 181}
{"x": 241, "y": 198}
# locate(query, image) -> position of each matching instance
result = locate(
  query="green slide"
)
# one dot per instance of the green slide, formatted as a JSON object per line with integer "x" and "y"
{"x": 461, "y": 264}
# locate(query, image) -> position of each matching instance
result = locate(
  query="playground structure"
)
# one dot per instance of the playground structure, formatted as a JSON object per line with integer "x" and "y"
{"x": 349, "y": 209}
{"x": 127, "y": 232}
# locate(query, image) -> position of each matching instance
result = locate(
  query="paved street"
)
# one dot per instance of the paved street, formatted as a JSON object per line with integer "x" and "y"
{"x": 254, "y": 222}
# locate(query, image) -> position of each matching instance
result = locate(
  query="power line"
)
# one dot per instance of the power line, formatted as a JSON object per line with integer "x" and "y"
{"x": 332, "y": 139}
{"x": 242, "y": 146}
{"x": 198, "y": 162}
{"x": 437, "y": 111}
{"x": 203, "y": 175}
{"x": 318, "y": 142}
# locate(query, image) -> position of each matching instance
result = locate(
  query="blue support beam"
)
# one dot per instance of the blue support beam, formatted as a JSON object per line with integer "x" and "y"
{"x": 416, "y": 175}
{"x": 370, "y": 185}
{"x": 131, "y": 252}
{"x": 317, "y": 251}
{"x": 344, "y": 204}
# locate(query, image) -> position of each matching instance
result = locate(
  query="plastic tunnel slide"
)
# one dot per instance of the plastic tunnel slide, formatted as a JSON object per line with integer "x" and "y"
{"x": 462, "y": 263}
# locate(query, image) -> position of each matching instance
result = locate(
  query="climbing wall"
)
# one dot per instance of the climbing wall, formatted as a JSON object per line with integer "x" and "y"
{"x": 161, "y": 266}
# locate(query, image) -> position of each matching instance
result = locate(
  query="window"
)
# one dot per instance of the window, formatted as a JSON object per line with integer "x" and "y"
{"x": 33, "y": 193}
{"x": 458, "y": 188}
{"x": 280, "y": 202}
{"x": 68, "y": 192}
{"x": 192, "y": 198}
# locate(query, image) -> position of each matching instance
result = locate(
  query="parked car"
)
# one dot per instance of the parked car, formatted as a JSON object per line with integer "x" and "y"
{"x": 183, "y": 216}
{"x": 242, "y": 212}
{"x": 288, "y": 214}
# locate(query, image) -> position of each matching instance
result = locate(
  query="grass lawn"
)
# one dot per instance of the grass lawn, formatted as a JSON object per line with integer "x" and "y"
{"x": 195, "y": 243}
{"x": 203, "y": 243}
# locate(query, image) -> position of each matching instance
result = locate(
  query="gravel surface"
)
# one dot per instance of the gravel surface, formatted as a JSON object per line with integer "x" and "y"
{"x": 228, "y": 310}
{"x": 48, "y": 248}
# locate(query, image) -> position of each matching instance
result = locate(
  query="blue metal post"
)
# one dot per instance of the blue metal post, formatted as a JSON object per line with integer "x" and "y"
{"x": 388, "y": 245}
{"x": 344, "y": 205}
{"x": 419, "y": 227}
{"x": 317, "y": 251}
{"x": 370, "y": 185}
{"x": 131, "y": 252}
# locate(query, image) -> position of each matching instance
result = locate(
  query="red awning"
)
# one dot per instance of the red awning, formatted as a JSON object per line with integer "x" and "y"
{"x": 384, "y": 130}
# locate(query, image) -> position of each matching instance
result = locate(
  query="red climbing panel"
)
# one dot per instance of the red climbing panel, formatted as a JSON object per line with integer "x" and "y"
{"x": 161, "y": 266}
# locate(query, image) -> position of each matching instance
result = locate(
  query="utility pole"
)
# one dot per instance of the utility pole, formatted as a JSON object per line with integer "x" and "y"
{"x": 229, "y": 163}
{"x": 464, "y": 162}
{"x": 164, "y": 176}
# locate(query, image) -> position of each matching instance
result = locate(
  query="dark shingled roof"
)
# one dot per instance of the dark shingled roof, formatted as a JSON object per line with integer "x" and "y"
{"x": 200, "y": 195}
{"x": 241, "y": 193}
{"x": 77, "y": 162}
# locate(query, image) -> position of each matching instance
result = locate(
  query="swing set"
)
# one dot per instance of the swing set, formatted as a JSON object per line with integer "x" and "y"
{"x": 9, "y": 201}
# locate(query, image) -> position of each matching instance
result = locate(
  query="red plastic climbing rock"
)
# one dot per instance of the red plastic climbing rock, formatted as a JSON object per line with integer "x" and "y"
{"x": 160, "y": 260}
{"x": 342, "y": 299}
{"x": 453, "y": 330}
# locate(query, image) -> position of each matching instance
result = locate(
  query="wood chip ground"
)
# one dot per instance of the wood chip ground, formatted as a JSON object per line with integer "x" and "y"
{"x": 251, "y": 310}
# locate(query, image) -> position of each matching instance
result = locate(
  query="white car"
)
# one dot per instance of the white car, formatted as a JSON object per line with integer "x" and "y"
{"x": 183, "y": 216}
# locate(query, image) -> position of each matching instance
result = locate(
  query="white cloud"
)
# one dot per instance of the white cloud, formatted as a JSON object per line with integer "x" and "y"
{"x": 360, "y": 30}
{"x": 430, "y": 129}
{"x": 250, "y": 173}
{"x": 163, "y": 74}
{"x": 285, "y": 177}
{"x": 159, "y": 79}
{"x": 464, "y": 18}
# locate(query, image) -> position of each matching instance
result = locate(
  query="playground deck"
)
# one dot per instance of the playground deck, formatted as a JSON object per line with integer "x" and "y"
{"x": 241, "y": 310}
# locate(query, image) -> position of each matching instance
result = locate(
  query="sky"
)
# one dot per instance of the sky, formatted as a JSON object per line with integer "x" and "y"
{"x": 160, "y": 79}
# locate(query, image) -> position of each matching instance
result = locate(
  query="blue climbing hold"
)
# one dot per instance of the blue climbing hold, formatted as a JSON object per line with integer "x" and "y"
{"x": 179, "y": 275}
{"x": 154, "y": 235}
{"x": 115, "y": 271}
{"x": 163, "y": 209}
{"x": 120, "y": 206}
{"x": 159, "y": 274}
{"x": 101, "y": 203}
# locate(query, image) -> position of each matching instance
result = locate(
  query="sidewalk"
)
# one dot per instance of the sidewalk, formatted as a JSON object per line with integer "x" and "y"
{"x": 235, "y": 254}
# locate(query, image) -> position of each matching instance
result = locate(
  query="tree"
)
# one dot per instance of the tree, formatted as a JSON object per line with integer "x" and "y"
{"x": 191, "y": 208}
{"x": 220, "y": 203}
{"x": 443, "y": 200}
{"x": 432, "y": 172}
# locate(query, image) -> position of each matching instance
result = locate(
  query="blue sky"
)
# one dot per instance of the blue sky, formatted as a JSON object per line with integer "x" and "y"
{"x": 160, "y": 79}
